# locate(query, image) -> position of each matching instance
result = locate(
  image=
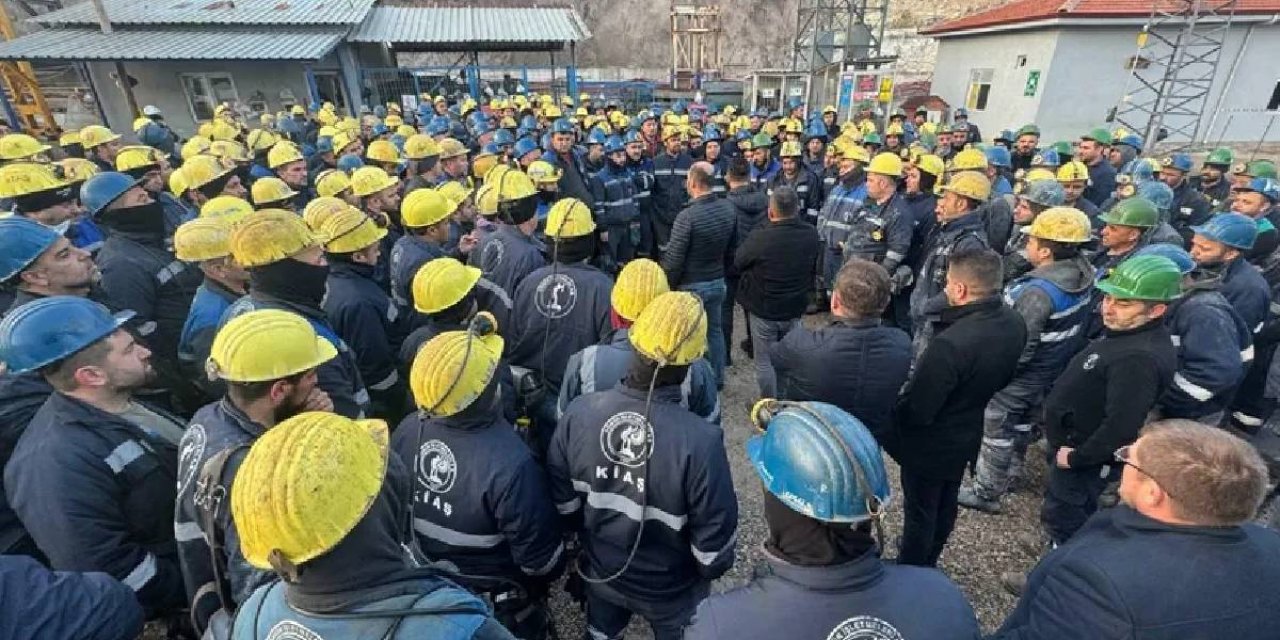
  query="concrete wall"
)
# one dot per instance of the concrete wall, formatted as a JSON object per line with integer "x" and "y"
{"x": 1006, "y": 107}
{"x": 159, "y": 84}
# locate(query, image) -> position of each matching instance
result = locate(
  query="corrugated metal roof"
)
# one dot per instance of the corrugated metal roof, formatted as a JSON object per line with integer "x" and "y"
{"x": 451, "y": 25}
{"x": 173, "y": 44}
{"x": 231, "y": 12}
{"x": 1020, "y": 11}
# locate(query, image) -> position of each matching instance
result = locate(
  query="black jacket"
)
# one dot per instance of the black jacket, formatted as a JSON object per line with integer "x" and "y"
{"x": 703, "y": 239}
{"x": 21, "y": 396}
{"x": 856, "y": 365}
{"x": 1101, "y": 400}
{"x": 776, "y": 264}
{"x": 973, "y": 354}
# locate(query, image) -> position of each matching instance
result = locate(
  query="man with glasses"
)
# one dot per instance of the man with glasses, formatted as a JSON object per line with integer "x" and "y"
{"x": 1177, "y": 559}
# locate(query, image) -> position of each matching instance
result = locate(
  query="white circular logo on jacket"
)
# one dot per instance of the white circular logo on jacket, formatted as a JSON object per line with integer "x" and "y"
{"x": 437, "y": 468}
{"x": 1091, "y": 362}
{"x": 865, "y": 628}
{"x": 627, "y": 439}
{"x": 193, "y": 444}
{"x": 556, "y": 295}
{"x": 290, "y": 630}
{"x": 492, "y": 255}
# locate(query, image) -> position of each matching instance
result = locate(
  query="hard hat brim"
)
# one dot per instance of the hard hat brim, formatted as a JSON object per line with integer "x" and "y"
{"x": 119, "y": 320}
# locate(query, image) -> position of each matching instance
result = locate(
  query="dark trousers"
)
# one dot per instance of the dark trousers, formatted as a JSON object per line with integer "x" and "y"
{"x": 929, "y": 509}
{"x": 726, "y": 316}
{"x": 609, "y": 611}
{"x": 1070, "y": 497}
{"x": 1251, "y": 408}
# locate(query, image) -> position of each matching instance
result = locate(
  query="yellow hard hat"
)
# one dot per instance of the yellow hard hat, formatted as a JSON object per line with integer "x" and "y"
{"x": 267, "y": 191}
{"x": 20, "y": 146}
{"x": 76, "y": 169}
{"x": 283, "y": 153}
{"x": 326, "y": 117}
{"x": 638, "y": 284}
{"x": 1061, "y": 224}
{"x": 135, "y": 157}
{"x": 392, "y": 120}
{"x": 202, "y": 170}
{"x": 406, "y": 131}
{"x": 493, "y": 176}
{"x": 297, "y": 110}
{"x": 350, "y": 230}
{"x": 178, "y": 182}
{"x": 223, "y": 130}
{"x": 420, "y": 146}
{"x": 672, "y": 330}
{"x": 425, "y": 207}
{"x": 268, "y": 236}
{"x": 266, "y": 119}
{"x": 69, "y": 138}
{"x": 195, "y": 146}
{"x": 569, "y": 218}
{"x": 671, "y": 131}
{"x": 367, "y": 181}
{"x": 931, "y": 164}
{"x": 204, "y": 238}
{"x": 342, "y": 140}
{"x": 970, "y": 184}
{"x": 230, "y": 207}
{"x": 790, "y": 149}
{"x": 382, "y": 151}
{"x": 1040, "y": 173}
{"x": 969, "y": 160}
{"x": 450, "y": 148}
{"x": 454, "y": 368}
{"x": 886, "y": 164}
{"x": 856, "y": 152}
{"x": 139, "y": 123}
{"x": 94, "y": 135}
{"x": 305, "y": 484}
{"x": 551, "y": 112}
{"x": 487, "y": 200}
{"x": 205, "y": 130}
{"x": 455, "y": 191}
{"x": 331, "y": 182}
{"x": 482, "y": 163}
{"x": 894, "y": 129}
{"x": 442, "y": 283}
{"x": 230, "y": 150}
{"x": 1073, "y": 171}
{"x": 543, "y": 172}
{"x": 319, "y": 210}
{"x": 266, "y": 345}
{"x": 26, "y": 178}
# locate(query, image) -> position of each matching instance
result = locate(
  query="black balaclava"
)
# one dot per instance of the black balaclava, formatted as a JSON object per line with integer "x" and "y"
{"x": 803, "y": 541}
{"x": 571, "y": 250}
{"x": 292, "y": 281}
{"x": 518, "y": 212}
{"x": 214, "y": 188}
{"x": 146, "y": 219}
{"x": 640, "y": 375}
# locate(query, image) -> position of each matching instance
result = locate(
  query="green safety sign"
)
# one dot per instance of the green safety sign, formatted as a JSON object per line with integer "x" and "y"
{"x": 1033, "y": 83}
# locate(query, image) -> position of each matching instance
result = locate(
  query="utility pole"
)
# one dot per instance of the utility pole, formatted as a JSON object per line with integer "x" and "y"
{"x": 121, "y": 76}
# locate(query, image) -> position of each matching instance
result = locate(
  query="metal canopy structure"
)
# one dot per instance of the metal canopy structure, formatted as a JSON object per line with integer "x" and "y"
{"x": 174, "y": 44}
{"x": 1173, "y": 70}
{"x": 472, "y": 29}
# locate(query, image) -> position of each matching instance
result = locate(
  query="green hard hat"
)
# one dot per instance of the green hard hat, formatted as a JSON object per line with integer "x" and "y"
{"x": 1146, "y": 277}
{"x": 761, "y": 141}
{"x": 1099, "y": 135}
{"x": 1133, "y": 212}
{"x": 872, "y": 138}
{"x": 1257, "y": 169}
{"x": 1220, "y": 156}
{"x": 1028, "y": 130}
{"x": 1064, "y": 149}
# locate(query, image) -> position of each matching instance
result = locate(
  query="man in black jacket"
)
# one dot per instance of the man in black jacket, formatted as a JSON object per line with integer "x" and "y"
{"x": 1101, "y": 400}
{"x": 752, "y": 205}
{"x": 853, "y": 363}
{"x": 974, "y": 352}
{"x": 776, "y": 263}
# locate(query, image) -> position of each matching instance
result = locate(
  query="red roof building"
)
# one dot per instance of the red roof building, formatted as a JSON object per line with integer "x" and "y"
{"x": 1032, "y": 13}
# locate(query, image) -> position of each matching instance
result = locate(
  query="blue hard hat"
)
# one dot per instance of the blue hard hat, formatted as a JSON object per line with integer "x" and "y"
{"x": 324, "y": 145}
{"x": 562, "y": 125}
{"x": 379, "y": 129}
{"x": 529, "y": 122}
{"x": 741, "y": 135}
{"x": 1157, "y": 192}
{"x": 47, "y": 330}
{"x": 349, "y": 163}
{"x": 458, "y": 131}
{"x": 503, "y": 138}
{"x": 398, "y": 141}
{"x": 760, "y": 112}
{"x": 104, "y": 188}
{"x": 794, "y": 102}
{"x": 656, "y": 110}
{"x": 678, "y": 108}
{"x": 438, "y": 125}
{"x": 1046, "y": 193}
{"x": 998, "y": 157}
{"x": 524, "y": 146}
{"x": 614, "y": 143}
{"x": 475, "y": 118}
{"x": 545, "y": 141}
{"x": 1047, "y": 158}
{"x": 1268, "y": 187}
{"x": 380, "y": 111}
{"x": 1132, "y": 140}
{"x": 1139, "y": 170}
{"x": 819, "y": 461}
{"x": 477, "y": 129}
{"x": 961, "y": 113}
{"x": 1235, "y": 230}
{"x": 308, "y": 149}
{"x": 712, "y": 134}
{"x": 816, "y": 129}
{"x": 1006, "y": 135}
{"x": 635, "y": 123}
{"x": 1179, "y": 161}
{"x": 1175, "y": 254}
{"x": 22, "y": 240}
{"x": 597, "y": 136}
{"x": 633, "y": 136}
{"x": 491, "y": 149}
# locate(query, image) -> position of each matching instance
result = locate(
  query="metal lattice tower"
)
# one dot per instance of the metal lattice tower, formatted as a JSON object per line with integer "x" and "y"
{"x": 695, "y": 43}
{"x": 1173, "y": 70}
{"x": 837, "y": 31}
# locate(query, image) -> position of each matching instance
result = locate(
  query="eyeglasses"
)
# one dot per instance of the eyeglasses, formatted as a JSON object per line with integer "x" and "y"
{"x": 1122, "y": 456}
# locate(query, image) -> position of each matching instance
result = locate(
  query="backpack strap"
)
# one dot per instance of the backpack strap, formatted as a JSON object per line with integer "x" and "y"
{"x": 210, "y": 476}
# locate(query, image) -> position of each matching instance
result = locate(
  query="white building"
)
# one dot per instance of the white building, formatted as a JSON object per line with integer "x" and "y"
{"x": 1063, "y": 64}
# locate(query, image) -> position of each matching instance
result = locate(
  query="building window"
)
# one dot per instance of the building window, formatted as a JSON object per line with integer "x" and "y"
{"x": 1274, "y": 103}
{"x": 206, "y": 91}
{"x": 979, "y": 89}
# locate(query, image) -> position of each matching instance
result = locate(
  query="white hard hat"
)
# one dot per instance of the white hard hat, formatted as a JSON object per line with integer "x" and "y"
{"x": 150, "y": 110}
